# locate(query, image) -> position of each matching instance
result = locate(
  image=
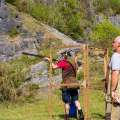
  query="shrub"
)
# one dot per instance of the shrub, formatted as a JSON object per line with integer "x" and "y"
{"x": 11, "y": 1}
{"x": 100, "y": 5}
{"x": 10, "y": 78}
{"x": 12, "y": 75}
{"x": 39, "y": 12}
{"x": 115, "y": 4}
{"x": 80, "y": 76}
{"x": 75, "y": 29}
{"x": 104, "y": 33}
{"x": 72, "y": 16}
{"x": 13, "y": 32}
{"x": 22, "y": 6}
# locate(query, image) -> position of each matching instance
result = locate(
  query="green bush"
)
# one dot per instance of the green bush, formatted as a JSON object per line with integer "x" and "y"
{"x": 64, "y": 15}
{"x": 75, "y": 28}
{"x": 40, "y": 12}
{"x": 13, "y": 32}
{"x": 10, "y": 78}
{"x": 104, "y": 33}
{"x": 72, "y": 16}
{"x": 99, "y": 5}
{"x": 115, "y": 4}
{"x": 80, "y": 76}
{"x": 22, "y": 6}
{"x": 12, "y": 75}
{"x": 11, "y": 1}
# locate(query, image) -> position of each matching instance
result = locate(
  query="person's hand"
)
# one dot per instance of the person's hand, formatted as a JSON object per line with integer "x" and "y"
{"x": 106, "y": 86}
{"x": 114, "y": 96}
{"x": 84, "y": 84}
{"x": 47, "y": 58}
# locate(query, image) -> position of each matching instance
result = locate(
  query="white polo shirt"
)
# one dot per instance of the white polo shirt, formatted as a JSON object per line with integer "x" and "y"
{"x": 115, "y": 61}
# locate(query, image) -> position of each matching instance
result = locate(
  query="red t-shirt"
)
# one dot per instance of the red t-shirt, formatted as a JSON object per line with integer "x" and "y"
{"x": 63, "y": 64}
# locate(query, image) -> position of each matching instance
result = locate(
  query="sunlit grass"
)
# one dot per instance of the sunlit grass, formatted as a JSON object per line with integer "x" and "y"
{"x": 52, "y": 108}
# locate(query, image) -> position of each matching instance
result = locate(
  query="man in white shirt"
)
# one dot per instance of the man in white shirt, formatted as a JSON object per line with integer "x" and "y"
{"x": 114, "y": 66}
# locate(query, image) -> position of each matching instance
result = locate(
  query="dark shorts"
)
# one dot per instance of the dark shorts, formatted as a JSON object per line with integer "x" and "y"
{"x": 69, "y": 95}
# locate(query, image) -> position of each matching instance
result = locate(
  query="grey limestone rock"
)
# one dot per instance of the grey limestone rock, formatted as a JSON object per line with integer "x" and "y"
{"x": 4, "y": 11}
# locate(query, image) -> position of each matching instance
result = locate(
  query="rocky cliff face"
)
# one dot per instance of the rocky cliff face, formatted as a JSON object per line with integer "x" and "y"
{"x": 7, "y": 21}
{"x": 114, "y": 19}
{"x": 12, "y": 47}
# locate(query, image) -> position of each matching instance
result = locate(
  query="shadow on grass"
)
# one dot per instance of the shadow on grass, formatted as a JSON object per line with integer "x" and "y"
{"x": 62, "y": 116}
{"x": 98, "y": 116}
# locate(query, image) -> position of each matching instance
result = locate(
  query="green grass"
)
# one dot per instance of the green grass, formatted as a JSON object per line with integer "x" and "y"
{"x": 38, "y": 109}
{"x": 97, "y": 106}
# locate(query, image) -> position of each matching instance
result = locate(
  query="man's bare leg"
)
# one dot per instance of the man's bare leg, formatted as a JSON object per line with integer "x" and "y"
{"x": 77, "y": 103}
{"x": 80, "y": 112}
{"x": 67, "y": 108}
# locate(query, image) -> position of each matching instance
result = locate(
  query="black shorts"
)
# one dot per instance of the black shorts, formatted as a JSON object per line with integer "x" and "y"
{"x": 69, "y": 94}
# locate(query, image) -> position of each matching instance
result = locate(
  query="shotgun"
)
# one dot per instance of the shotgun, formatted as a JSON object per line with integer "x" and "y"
{"x": 37, "y": 55}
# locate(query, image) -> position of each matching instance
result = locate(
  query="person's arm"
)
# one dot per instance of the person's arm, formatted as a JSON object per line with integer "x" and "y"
{"x": 54, "y": 66}
{"x": 114, "y": 77}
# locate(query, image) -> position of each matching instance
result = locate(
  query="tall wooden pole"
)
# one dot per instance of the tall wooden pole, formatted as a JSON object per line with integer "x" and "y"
{"x": 108, "y": 105}
{"x": 86, "y": 79}
{"x": 106, "y": 58}
{"x": 50, "y": 87}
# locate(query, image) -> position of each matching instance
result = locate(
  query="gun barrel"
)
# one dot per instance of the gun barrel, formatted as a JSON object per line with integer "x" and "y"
{"x": 31, "y": 54}
{"x": 36, "y": 55}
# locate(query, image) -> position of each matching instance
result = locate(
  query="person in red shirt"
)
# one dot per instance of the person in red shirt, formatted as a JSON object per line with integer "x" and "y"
{"x": 69, "y": 94}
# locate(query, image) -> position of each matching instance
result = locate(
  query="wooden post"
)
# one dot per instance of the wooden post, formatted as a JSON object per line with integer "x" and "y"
{"x": 50, "y": 87}
{"x": 86, "y": 80}
{"x": 105, "y": 61}
{"x": 108, "y": 105}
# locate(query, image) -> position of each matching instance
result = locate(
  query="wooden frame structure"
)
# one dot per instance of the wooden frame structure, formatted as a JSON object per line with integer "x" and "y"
{"x": 86, "y": 89}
